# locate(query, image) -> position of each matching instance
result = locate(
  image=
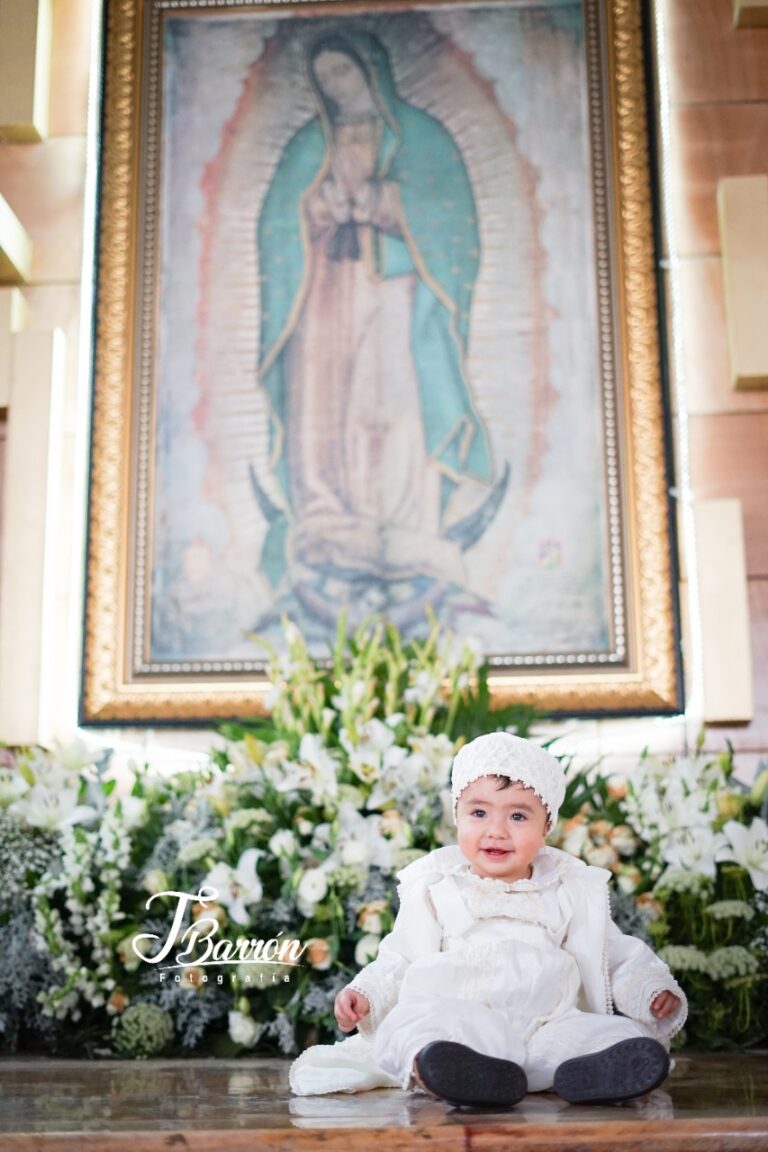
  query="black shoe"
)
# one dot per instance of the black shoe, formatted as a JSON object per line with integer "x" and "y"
{"x": 625, "y": 1070}
{"x": 466, "y": 1078}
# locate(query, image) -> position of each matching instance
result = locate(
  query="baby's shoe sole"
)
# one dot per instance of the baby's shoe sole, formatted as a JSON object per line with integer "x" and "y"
{"x": 625, "y": 1070}
{"x": 467, "y": 1079}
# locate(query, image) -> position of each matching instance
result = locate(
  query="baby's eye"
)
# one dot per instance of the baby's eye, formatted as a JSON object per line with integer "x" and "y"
{"x": 519, "y": 816}
{"x": 477, "y": 812}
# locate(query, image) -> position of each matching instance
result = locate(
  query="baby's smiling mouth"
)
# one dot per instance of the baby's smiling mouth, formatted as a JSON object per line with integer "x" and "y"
{"x": 496, "y": 851}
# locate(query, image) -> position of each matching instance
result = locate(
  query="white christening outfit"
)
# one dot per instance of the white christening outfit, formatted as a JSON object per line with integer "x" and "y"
{"x": 533, "y": 971}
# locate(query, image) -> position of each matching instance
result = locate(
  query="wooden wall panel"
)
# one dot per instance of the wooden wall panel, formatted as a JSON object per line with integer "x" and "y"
{"x": 752, "y": 737}
{"x": 72, "y": 22}
{"x": 709, "y": 142}
{"x": 705, "y": 346}
{"x": 44, "y": 184}
{"x": 729, "y": 458}
{"x": 709, "y": 60}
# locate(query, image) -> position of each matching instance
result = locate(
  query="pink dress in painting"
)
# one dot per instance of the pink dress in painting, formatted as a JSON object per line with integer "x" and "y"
{"x": 366, "y": 496}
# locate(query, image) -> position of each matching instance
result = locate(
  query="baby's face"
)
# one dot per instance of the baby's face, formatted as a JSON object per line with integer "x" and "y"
{"x": 500, "y": 831}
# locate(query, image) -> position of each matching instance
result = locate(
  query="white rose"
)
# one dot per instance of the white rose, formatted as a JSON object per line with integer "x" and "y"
{"x": 371, "y": 922}
{"x": 313, "y": 887}
{"x": 283, "y": 843}
{"x": 601, "y": 857}
{"x": 243, "y": 1029}
{"x": 156, "y": 881}
{"x": 366, "y": 949}
{"x": 354, "y": 853}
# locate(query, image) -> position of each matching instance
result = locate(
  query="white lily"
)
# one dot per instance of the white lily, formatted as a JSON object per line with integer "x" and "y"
{"x": 374, "y": 736}
{"x": 321, "y": 765}
{"x": 76, "y": 755}
{"x": 237, "y": 887}
{"x": 748, "y": 846}
{"x": 435, "y": 754}
{"x": 694, "y": 850}
{"x": 365, "y": 833}
{"x": 45, "y": 808}
{"x": 12, "y": 786}
{"x": 400, "y": 775}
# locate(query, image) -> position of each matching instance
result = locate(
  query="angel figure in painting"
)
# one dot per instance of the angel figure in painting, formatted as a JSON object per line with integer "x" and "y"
{"x": 369, "y": 250}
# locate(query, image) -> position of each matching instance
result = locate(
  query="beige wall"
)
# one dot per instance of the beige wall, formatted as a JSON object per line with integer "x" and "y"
{"x": 44, "y": 185}
{"x": 718, "y": 88}
{"x": 719, "y": 126}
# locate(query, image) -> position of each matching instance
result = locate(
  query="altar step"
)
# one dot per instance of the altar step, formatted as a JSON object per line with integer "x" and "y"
{"x": 710, "y": 1103}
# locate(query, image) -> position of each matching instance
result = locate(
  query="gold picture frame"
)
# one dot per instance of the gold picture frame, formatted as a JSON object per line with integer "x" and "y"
{"x": 634, "y": 668}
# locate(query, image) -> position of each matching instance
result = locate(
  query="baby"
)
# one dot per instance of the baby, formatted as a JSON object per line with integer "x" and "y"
{"x": 504, "y": 972}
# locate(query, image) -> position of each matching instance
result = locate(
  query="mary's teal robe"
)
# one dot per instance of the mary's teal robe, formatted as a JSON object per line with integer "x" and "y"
{"x": 440, "y": 242}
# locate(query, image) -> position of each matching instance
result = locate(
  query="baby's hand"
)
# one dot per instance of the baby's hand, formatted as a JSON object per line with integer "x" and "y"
{"x": 350, "y": 1006}
{"x": 664, "y": 1005}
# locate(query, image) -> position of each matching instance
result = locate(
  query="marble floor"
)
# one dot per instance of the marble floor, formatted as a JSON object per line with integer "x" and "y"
{"x": 716, "y": 1102}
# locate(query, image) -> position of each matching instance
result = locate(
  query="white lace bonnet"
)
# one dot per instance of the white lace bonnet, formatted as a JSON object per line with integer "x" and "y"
{"x": 502, "y": 754}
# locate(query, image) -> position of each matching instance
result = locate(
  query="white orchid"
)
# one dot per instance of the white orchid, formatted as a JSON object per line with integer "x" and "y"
{"x": 748, "y": 846}
{"x": 238, "y": 887}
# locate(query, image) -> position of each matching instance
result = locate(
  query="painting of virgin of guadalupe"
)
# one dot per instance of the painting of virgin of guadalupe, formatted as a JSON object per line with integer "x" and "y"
{"x": 376, "y": 337}
{"x": 377, "y": 381}
{"x": 383, "y": 462}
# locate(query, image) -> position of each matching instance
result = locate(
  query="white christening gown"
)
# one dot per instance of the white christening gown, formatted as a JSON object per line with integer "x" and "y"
{"x": 529, "y": 971}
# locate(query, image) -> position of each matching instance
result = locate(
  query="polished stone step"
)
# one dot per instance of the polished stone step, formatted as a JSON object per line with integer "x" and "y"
{"x": 714, "y": 1102}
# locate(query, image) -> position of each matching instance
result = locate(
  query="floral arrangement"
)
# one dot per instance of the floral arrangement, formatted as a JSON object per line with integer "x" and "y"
{"x": 688, "y": 847}
{"x": 298, "y": 823}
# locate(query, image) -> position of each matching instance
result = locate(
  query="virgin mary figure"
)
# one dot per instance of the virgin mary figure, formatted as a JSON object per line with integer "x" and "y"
{"x": 368, "y": 252}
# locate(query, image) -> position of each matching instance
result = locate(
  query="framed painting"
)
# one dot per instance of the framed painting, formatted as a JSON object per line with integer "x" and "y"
{"x": 376, "y": 333}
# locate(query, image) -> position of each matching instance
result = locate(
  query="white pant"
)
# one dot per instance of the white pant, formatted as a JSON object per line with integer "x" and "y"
{"x": 413, "y": 1023}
